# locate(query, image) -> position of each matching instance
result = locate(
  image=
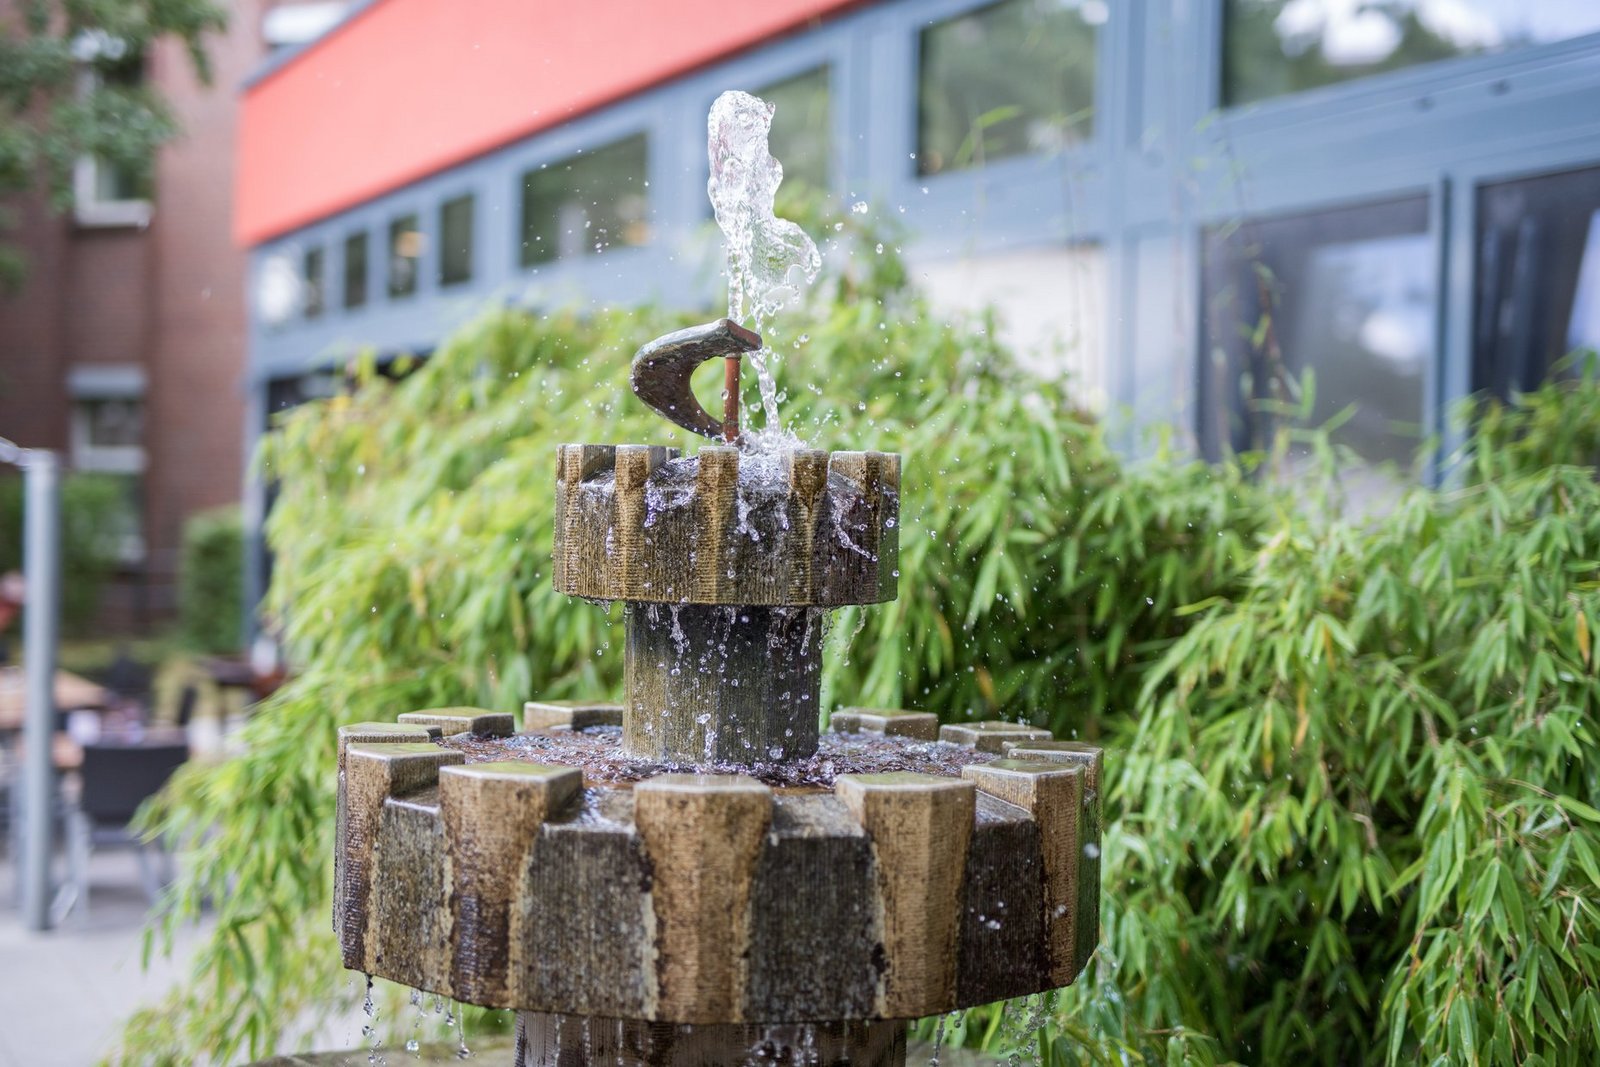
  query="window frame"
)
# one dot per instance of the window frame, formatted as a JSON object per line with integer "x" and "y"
{"x": 89, "y": 210}
{"x": 116, "y": 383}
{"x": 350, "y": 235}
{"x": 1417, "y": 78}
{"x": 396, "y": 214}
{"x": 470, "y": 196}
{"x": 310, "y": 310}
{"x": 603, "y": 138}
{"x": 936, "y": 14}
{"x": 1212, "y": 440}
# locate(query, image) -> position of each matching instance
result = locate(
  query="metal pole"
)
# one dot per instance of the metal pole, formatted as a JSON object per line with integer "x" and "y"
{"x": 41, "y": 563}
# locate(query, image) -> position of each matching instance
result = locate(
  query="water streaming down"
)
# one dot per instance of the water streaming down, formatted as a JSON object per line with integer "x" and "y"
{"x": 769, "y": 258}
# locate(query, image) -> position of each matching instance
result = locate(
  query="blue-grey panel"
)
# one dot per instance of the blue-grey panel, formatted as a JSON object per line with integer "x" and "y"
{"x": 1162, "y": 164}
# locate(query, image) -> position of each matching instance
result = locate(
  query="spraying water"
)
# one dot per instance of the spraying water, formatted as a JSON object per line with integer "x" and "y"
{"x": 769, "y": 259}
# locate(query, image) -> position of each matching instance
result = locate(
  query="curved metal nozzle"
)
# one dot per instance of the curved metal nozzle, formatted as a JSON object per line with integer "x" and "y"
{"x": 661, "y": 371}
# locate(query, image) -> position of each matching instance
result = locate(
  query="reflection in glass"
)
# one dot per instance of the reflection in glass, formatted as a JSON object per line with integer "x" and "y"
{"x": 455, "y": 241}
{"x": 355, "y": 270}
{"x": 1012, "y": 78}
{"x": 1538, "y": 277}
{"x": 405, "y": 251}
{"x": 586, "y": 203}
{"x": 1273, "y": 47}
{"x": 120, "y": 69}
{"x": 312, "y": 301}
{"x": 802, "y": 135}
{"x": 1348, "y": 295}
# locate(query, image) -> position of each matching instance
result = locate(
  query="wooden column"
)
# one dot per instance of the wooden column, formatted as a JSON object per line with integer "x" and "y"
{"x": 709, "y": 683}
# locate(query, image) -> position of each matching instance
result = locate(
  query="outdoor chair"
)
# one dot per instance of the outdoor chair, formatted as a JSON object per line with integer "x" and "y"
{"x": 116, "y": 779}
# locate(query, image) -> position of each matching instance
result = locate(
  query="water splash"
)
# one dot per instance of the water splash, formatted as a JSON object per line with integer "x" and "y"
{"x": 369, "y": 1031}
{"x": 769, "y": 259}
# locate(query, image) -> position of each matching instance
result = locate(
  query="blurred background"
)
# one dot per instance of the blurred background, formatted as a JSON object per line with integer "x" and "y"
{"x": 1177, "y": 208}
{"x": 1410, "y": 184}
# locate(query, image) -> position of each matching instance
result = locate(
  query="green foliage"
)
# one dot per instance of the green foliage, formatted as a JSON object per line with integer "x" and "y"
{"x": 90, "y": 507}
{"x": 210, "y": 577}
{"x": 1351, "y": 797}
{"x": 1354, "y": 817}
{"x": 50, "y": 118}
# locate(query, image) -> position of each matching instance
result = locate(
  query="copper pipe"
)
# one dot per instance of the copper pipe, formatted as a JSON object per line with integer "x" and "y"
{"x": 730, "y": 398}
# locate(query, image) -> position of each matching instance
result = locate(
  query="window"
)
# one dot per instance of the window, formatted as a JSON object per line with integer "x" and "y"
{"x": 291, "y": 24}
{"x": 355, "y": 270}
{"x": 1538, "y": 278}
{"x": 802, "y": 133}
{"x": 455, "y": 241}
{"x": 108, "y": 191}
{"x": 1348, "y": 294}
{"x": 586, "y": 203}
{"x": 277, "y": 285}
{"x": 405, "y": 250}
{"x": 107, "y": 439}
{"x": 312, "y": 301}
{"x": 1009, "y": 79}
{"x": 1273, "y": 47}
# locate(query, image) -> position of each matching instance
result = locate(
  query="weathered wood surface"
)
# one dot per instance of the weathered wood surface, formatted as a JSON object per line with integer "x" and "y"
{"x": 572, "y": 714}
{"x": 352, "y": 733}
{"x": 487, "y": 857}
{"x": 990, "y": 735}
{"x": 812, "y": 529}
{"x": 703, "y": 834}
{"x": 1091, "y": 759}
{"x": 813, "y": 932}
{"x": 715, "y": 684}
{"x": 920, "y": 826}
{"x": 891, "y": 722}
{"x": 373, "y": 774}
{"x": 1003, "y": 951}
{"x": 464, "y": 721}
{"x": 714, "y": 899}
{"x": 1053, "y": 795}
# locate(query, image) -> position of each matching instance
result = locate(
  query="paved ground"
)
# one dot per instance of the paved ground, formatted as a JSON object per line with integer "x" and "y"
{"x": 65, "y": 992}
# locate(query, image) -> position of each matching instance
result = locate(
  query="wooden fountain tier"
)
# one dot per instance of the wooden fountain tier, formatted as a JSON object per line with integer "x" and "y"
{"x": 725, "y": 560}
{"x": 714, "y": 900}
{"x": 806, "y": 528}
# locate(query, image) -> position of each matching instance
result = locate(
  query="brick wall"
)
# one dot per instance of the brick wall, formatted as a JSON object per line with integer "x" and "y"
{"x": 168, "y": 298}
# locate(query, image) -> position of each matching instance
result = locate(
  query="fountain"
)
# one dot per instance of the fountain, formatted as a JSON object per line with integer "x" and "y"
{"x": 697, "y": 876}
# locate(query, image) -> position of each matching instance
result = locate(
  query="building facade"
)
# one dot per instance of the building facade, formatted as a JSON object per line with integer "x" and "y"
{"x": 125, "y": 346}
{"x": 1185, "y": 204}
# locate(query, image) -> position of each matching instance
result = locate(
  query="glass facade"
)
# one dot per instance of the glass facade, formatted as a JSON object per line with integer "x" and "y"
{"x": 1342, "y": 302}
{"x": 455, "y": 240}
{"x": 405, "y": 253}
{"x": 1273, "y": 47}
{"x": 355, "y": 270}
{"x": 1013, "y": 78}
{"x": 802, "y": 128}
{"x": 313, "y": 279}
{"x": 587, "y": 203}
{"x": 1538, "y": 278}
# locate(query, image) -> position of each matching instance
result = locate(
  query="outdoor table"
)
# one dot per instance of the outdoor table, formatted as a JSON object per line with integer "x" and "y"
{"x": 73, "y": 693}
